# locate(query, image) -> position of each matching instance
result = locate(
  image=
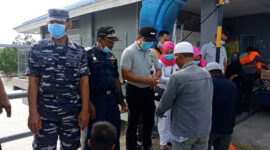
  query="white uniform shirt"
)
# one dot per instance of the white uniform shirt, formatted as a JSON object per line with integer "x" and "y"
{"x": 166, "y": 73}
{"x": 209, "y": 54}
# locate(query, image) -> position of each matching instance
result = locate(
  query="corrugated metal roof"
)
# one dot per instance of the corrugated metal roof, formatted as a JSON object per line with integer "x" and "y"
{"x": 70, "y": 7}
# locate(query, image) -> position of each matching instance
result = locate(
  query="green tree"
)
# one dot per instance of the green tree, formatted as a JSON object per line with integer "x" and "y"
{"x": 8, "y": 60}
{"x": 25, "y": 39}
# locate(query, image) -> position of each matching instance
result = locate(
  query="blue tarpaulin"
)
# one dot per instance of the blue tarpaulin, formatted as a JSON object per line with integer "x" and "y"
{"x": 160, "y": 14}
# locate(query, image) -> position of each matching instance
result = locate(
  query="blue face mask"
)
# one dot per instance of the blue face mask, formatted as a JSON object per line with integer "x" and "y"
{"x": 196, "y": 62}
{"x": 222, "y": 43}
{"x": 106, "y": 50}
{"x": 160, "y": 45}
{"x": 146, "y": 45}
{"x": 57, "y": 30}
{"x": 169, "y": 57}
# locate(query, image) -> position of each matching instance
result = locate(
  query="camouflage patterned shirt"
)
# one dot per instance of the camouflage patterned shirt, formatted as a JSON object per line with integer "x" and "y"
{"x": 59, "y": 68}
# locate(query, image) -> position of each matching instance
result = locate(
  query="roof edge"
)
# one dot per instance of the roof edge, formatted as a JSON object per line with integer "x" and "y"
{"x": 98, "y": 5}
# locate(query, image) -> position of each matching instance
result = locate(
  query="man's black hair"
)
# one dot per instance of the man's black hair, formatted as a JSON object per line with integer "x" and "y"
{"x": 235, "y": 53}
{"x": 249, "y": 49}
{"x": 162, "y": 32}
{"x": 103, "y": 136}
{"x": 187, "y": 54}
{"x": 216, "y": 72}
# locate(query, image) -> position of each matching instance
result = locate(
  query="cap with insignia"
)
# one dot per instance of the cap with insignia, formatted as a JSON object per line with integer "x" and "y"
{"x": 149, "y": 33}
{"x": 58, "y": 15}
{"x": 107, "y": 32}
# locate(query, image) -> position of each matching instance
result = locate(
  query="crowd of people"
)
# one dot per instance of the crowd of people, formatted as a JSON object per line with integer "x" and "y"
{"x": 195, "y": 99}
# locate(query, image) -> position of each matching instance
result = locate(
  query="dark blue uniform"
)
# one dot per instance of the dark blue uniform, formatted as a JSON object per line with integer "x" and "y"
{"x": 59, "y": 68}
{"x": 104, "y": 70}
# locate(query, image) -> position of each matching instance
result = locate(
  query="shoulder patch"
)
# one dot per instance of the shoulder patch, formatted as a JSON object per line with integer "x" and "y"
{"x": 88, "y": 48}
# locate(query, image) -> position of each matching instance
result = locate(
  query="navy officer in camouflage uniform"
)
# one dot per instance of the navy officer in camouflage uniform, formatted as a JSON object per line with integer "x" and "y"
{"x": 58, "y": 92}
{"x": 104, "y": 82}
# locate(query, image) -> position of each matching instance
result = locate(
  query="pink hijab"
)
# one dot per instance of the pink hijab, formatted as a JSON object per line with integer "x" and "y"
{"x": 166, "y": 46}
{"x": 196, "y": 53}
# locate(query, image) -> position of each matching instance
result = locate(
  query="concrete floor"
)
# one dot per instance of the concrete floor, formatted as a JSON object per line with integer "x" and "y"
{"x": 254, "y": 132}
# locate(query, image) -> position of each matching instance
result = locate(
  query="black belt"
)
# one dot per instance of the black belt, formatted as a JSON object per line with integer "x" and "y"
{"x": 102, "y": 92}
{"x": 133, "y": 86}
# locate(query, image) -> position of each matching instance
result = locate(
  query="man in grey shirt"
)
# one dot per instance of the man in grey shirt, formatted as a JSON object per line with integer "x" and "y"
{"x": 138, "y": 63}
{"x": 189, "y": 96}
{"x": 209, "y": 52}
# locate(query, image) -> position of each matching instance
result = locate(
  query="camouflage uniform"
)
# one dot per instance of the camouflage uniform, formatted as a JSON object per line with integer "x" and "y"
{"x": 59, "y": 68}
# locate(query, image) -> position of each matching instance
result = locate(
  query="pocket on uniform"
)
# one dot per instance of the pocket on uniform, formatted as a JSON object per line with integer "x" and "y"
{"x": 72, "y": 69}
{"x": 72, "y": 65}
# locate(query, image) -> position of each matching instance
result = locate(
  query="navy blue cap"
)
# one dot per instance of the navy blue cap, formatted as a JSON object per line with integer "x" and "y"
{"x": 108, "y": 32}
{"x": 58, "y": 14}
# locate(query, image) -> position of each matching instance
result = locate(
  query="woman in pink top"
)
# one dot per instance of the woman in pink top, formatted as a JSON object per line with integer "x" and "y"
{"x": 197, "y": 57}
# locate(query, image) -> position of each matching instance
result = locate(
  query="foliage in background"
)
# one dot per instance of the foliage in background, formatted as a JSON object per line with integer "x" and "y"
{"x": 25, "y": 39}
{"x": 8, "y": 60}
{"x": 9, "y": 56}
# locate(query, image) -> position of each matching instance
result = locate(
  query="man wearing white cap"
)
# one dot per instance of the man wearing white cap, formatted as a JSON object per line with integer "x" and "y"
{"x": 189, "y": 96}
{"x": 223, "y": 115}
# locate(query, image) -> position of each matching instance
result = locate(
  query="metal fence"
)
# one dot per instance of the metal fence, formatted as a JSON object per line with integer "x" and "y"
{"x": 23, "y": 52}
{"x": 19, "y": 135}
{"x": 22, "y": 61}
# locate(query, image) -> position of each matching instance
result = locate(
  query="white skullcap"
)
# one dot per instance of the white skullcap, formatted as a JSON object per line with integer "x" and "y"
{"x": 213, "y": 66}
{"x": 183, "y": 47}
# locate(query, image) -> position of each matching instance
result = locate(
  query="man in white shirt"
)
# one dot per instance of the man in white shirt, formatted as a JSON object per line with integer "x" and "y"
{"x": 209, "y": 52}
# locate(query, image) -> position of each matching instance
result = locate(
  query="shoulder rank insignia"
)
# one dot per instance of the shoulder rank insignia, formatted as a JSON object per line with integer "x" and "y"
{"x": 152, "y": 58}
{"x": 88, "y": 48}
{"x": 94, "y": 57}
{"x": 113, "y": 59}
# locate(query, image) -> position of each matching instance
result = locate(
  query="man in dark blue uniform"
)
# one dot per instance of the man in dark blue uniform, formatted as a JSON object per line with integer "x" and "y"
{"x": 58, "y": 92}
{"x": 104, "y": 82}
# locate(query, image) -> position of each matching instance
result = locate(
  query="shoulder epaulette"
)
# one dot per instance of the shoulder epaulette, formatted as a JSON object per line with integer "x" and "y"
{"x": 87, "y": 48}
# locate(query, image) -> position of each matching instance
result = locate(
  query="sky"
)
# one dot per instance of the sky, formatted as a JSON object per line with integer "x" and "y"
{"x": 16, "y": 12}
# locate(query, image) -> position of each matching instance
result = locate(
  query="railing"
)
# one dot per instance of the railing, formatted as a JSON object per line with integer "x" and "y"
{"x": 19, "y": 135}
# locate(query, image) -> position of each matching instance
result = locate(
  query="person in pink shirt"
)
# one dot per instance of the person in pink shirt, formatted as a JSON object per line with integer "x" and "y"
{"x": 197, "y": 57}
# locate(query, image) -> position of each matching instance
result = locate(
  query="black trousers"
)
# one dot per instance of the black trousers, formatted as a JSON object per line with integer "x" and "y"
{"x": 247, "y": 86}
{"x": 140, "y": 104}
{"x": 219, "y": 141}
